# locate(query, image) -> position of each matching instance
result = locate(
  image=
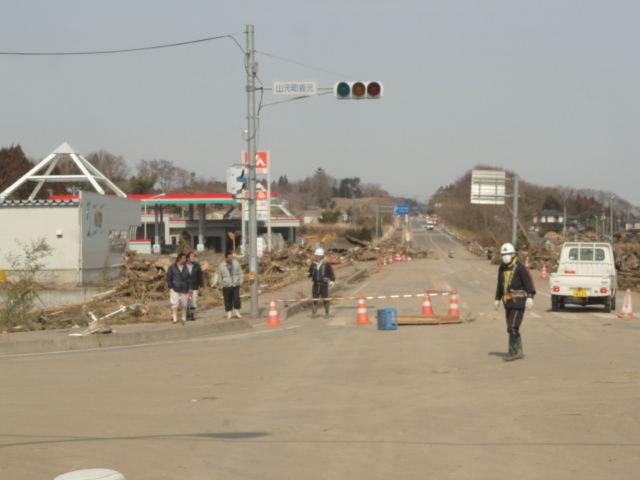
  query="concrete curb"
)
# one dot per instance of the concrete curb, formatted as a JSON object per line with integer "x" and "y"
{"x": 10, "y": 345}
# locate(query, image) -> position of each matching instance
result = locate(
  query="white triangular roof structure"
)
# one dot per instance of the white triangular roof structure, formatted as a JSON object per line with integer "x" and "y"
{"x": 89, "y": 174}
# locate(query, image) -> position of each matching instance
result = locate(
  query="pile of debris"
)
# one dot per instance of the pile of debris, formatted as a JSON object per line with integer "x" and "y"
{"x": 629, "y": 255}
{"x": 143, "y": 283}
{"x": 145, "y": 279}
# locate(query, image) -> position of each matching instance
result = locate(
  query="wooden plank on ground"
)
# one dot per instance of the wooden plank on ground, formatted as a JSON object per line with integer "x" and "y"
{"x": 421, "y": 320}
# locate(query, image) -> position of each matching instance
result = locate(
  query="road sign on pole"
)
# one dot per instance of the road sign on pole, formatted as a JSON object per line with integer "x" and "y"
{"x": 402, "y": 209}
{"x": 488, "y": 187}
{"x": 262, "y": 161}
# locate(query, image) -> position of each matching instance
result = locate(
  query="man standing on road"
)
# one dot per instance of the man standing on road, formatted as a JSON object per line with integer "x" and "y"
{"x": 197, "y": 284}
{"x": 515, "y": 291}
{"x": 179, "y": 284}
{"x": 230, "y": 279}
{"x": 322, "y": 274}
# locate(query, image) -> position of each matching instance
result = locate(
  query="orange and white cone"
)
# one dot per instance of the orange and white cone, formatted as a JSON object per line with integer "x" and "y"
{"x": 453, "y": 305}
{"x": 390, "y": 259}
{"x": 404, "y": 258}
{"x": 273, "y": 320}
{"x": 363, "y": 316}
{"x": 627, "y": 309}
{"x": 385, "y": 262}
{"x": 544, "y": 275}
{"x": 427, "y": 311}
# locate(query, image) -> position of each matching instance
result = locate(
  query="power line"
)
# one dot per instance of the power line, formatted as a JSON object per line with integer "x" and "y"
{"x": 155, "y": 47}
{"x": 305, "y": 65}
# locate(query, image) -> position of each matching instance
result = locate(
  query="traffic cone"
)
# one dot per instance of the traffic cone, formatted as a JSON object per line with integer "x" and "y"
{"x": 627, "y": 310}
{"x": 427, "y": 311}
{"x": 390, "y": 259}
{"x": 453, "y": 305}
{"x": 404, "y": 258}
{"x": 385, "y": 262}
{"x": 544, "y": 275}
{"x": 273, "y": 320}
{"x": 363, "y": 317}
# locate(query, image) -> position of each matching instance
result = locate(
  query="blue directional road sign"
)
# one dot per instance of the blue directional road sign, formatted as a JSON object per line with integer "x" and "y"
{"x": 402, "y": 209}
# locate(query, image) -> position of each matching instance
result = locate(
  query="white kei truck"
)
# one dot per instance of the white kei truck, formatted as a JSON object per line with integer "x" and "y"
{"x": 586, "y": 276}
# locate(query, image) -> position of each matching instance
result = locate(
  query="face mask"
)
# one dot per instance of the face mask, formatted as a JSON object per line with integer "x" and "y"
{"x": 506, "y": 259}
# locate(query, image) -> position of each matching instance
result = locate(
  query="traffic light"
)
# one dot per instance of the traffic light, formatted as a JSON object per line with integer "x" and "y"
{"x": 357, "y": 90}
{"x": 235, "y": 180}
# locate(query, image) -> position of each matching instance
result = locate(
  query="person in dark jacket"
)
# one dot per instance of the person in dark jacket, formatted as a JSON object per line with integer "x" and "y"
{"x": 515, "y": 291}
{"x": 179, "y": 283}
{"x": 322, "y": 274}
{"x": 197, "y": 284}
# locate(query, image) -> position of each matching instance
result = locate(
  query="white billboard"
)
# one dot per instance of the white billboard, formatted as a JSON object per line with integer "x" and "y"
{"x": 488, "y": 187}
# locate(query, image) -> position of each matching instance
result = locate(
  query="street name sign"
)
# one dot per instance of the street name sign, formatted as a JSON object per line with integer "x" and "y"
{"x": 295, "y": 88}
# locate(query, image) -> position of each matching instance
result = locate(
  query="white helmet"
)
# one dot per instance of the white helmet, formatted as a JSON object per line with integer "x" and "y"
{"x": 319, "y": 252}
{"x": 507, "y": 249}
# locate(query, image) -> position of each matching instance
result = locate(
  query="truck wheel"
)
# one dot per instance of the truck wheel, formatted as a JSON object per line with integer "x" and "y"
{"x": 613, "y": 301}
{"x": 554, "y": 303}
{"x": 607, "y": 305}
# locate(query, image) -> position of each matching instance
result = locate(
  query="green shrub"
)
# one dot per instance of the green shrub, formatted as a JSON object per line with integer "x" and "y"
{"x": 329, "y": 216}
{"x": 363, "y": 234}
{"x": 20, "y": 294}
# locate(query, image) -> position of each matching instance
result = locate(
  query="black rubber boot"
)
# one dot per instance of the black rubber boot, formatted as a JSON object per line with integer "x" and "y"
{"x": 326, "y": 309}
{"x": 519, "y": 352}
{"x": 513, "y": 351}
{"x": 314, "y": 310}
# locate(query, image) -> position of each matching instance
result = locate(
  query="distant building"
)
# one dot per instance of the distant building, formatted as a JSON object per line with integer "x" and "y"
{"x": 311, "y": 217}
{"x": 548, "y": 219}
{"x": 632, "y": 225}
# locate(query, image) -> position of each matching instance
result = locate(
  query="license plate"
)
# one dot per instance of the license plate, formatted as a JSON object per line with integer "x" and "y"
{"x": 579, "y": 293}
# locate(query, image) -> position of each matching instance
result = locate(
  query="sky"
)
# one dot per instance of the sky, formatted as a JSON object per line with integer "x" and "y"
{"x": 547, "y": 89}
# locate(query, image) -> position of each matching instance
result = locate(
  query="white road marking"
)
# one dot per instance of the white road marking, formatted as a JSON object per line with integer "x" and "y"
{"x": 543, "y": 293}
{"x": 535, "y": 315}
{"x": 361, "y": 287}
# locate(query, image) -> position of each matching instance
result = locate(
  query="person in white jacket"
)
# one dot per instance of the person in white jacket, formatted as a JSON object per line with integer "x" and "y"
{"x": 230, "y": 278}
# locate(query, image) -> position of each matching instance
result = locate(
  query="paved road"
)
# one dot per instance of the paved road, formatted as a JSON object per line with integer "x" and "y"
{"x": 324, "y": 398}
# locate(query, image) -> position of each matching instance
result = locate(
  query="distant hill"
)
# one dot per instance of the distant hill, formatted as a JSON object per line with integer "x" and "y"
{"x": 484, "y": 223}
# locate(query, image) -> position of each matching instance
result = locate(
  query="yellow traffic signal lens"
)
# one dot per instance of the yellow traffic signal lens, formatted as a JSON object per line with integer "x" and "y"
{"x": 358, "y": 89}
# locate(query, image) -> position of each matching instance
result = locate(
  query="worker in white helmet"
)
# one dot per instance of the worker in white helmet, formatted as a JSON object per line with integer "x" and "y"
{"x": 515, "y": 291}
{"x": 322, "y": 274}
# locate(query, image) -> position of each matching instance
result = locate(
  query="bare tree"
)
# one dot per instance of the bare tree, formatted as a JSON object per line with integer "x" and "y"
{"x": 113, "y": 167}
{"x": 166, "y": 171}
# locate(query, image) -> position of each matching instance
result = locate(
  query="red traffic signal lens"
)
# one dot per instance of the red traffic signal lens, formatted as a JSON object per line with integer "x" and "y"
{"x": 358, "y": 89}
{"x": 373, "y": 89}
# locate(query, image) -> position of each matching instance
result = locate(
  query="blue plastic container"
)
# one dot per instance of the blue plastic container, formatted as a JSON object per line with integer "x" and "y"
{"x": 387, "y": 319}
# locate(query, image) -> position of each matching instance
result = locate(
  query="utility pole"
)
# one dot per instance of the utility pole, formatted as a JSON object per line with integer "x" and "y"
{"x": 252, "y": 69}
{"x": 611, "y": 216}
{"x": 514, "y": 228}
